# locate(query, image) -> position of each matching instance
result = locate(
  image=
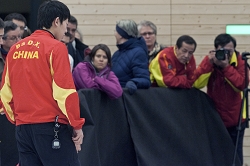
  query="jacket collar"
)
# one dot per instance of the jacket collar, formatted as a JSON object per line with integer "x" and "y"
{"x": 233, "y": 60}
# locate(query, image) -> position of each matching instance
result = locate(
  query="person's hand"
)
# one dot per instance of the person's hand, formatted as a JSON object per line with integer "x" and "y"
{"x": 1, "y": 111}
{"x": 77, "y": 139}
{"x": 211, "y": 56}
{"x": 131, "y": 87}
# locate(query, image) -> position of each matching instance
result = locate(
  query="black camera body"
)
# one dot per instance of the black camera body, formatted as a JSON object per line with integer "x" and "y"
{"x": 222, "y": 53}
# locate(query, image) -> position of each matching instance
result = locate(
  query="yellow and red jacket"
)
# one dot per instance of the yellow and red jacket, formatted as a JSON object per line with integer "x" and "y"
{"x": 166, "y": 70}
{"x": 224, "y": 86}
{"x": 37, "y": 84}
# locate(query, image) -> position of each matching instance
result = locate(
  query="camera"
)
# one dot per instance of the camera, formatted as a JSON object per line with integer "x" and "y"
{"x": 222, "y": 53}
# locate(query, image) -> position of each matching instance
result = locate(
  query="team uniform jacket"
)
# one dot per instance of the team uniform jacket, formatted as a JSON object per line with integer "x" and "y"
{"x": 85, "y": 76}
{"x": 37, "y": 84}
{"x": 166, "y": 70}
{"x": 224, "y": 86}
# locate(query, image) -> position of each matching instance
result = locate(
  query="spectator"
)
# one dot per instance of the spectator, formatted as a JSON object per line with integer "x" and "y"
{"x": 39, "y": 95}
{"x": 148, "y": 31}
{"x": 65, "y": 40}
{"x": 225, "y": 81}
{"x": 174, "y": 66}
{"x": 19, "y": 20}
{"x": 1, "y": 31}
{"x": 130, "y": 61}
{"x": 95, "y": 73}
{"x": 77, "y": 49}
{"x": 11, "y": 36}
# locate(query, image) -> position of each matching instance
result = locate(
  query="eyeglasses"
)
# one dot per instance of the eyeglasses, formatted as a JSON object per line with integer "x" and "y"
{"x": 147, "y": 33}
{"x": 71, "y": 30}
{"x": 11, "y": 37}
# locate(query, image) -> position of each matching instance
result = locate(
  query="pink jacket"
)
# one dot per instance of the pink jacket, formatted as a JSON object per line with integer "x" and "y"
{"x": 85, "y": 76}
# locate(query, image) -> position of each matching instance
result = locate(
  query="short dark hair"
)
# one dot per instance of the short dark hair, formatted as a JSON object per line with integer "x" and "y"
{"x": 16, "y": 16}
{"x": 9, "y": 26}
{"x": 49, "y": 11}
{"x": 223, "y": 39}
{"x": 73, "y": 20}
{"x": 103, "y": 47}
{"x": 1, "y": 24}
{"x": 187, "y": 39}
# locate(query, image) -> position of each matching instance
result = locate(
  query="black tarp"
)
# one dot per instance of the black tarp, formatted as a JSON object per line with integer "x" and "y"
{"x": 153, "y": 127}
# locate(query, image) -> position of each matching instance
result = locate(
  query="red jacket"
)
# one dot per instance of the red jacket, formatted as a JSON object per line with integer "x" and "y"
{"x": 37, "y": 83}
{"x": 166, "y": 70}
{"x": 224, "y": 86}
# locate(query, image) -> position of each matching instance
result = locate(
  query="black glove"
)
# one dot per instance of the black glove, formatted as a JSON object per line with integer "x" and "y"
{"x": 131, "y": 87}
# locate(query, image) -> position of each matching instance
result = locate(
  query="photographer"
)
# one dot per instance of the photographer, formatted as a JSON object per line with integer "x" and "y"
{"x": 222, "y": 71}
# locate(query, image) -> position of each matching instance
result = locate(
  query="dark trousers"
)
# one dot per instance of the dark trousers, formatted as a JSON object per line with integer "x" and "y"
{"x": 34, "y": 143}
{"x": 233, "y": 133}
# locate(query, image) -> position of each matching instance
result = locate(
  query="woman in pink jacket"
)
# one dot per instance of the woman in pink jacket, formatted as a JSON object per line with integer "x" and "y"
{"x": 95, "y": 73}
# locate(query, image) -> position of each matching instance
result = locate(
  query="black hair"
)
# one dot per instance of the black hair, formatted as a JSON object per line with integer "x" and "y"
{"x": 103, "y": 47}
{"x": 49, "y": 11}
{"x": 187, "y": 39}
{"x": 223, "y": 39}
{"x": 73, "y": 20}
{"x": 9, "y": 26}
{"x": 1, "y": 24}
{"x": 15, "y": 16}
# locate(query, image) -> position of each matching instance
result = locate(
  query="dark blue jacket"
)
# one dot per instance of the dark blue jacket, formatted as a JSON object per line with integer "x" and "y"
{"x": 130, "y": 63}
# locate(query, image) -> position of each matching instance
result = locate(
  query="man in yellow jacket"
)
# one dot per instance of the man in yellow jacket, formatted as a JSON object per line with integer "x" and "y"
{"x": 174, "y": 66}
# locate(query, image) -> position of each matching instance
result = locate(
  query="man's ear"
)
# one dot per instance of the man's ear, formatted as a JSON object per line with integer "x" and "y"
{"x": 176, "y": 48}
{"x": 57, "y": 22}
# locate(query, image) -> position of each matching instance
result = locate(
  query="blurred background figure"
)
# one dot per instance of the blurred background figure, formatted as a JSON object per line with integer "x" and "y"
{"x": 19, "y": 20}
{"x": 148, "y": 31}
{"x": 76, "y": 48}
{"x": 1, "y": 31}
{"x": 130, "y": 61}
{"x": 78, "y": 35}
{"x": 95, "y": 73}
{"x": 65, "y": 40}
{"x": 11, "y": 36}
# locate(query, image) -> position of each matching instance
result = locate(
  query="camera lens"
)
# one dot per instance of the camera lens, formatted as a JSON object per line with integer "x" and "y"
{"x": 220, "y": 54}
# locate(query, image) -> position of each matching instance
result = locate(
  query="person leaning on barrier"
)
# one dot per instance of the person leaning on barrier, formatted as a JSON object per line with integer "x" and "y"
{"x": 148, "y": 31}
{"x": 222, "y": 72}
{"x": 174, "y": 66}
{"x": 38, "y": 93}
{"x": 130, "y": 61}
{"x": 95, "y": 73}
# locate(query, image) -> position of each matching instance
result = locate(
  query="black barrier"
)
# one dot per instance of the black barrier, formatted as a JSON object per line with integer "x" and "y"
{"x": 157, "y": 126}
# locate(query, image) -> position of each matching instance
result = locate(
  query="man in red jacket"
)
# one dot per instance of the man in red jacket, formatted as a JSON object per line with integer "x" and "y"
{"x": 223, "y": 72}
{"x": 174, "y": 67}
{"x": 39, "y": 95}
